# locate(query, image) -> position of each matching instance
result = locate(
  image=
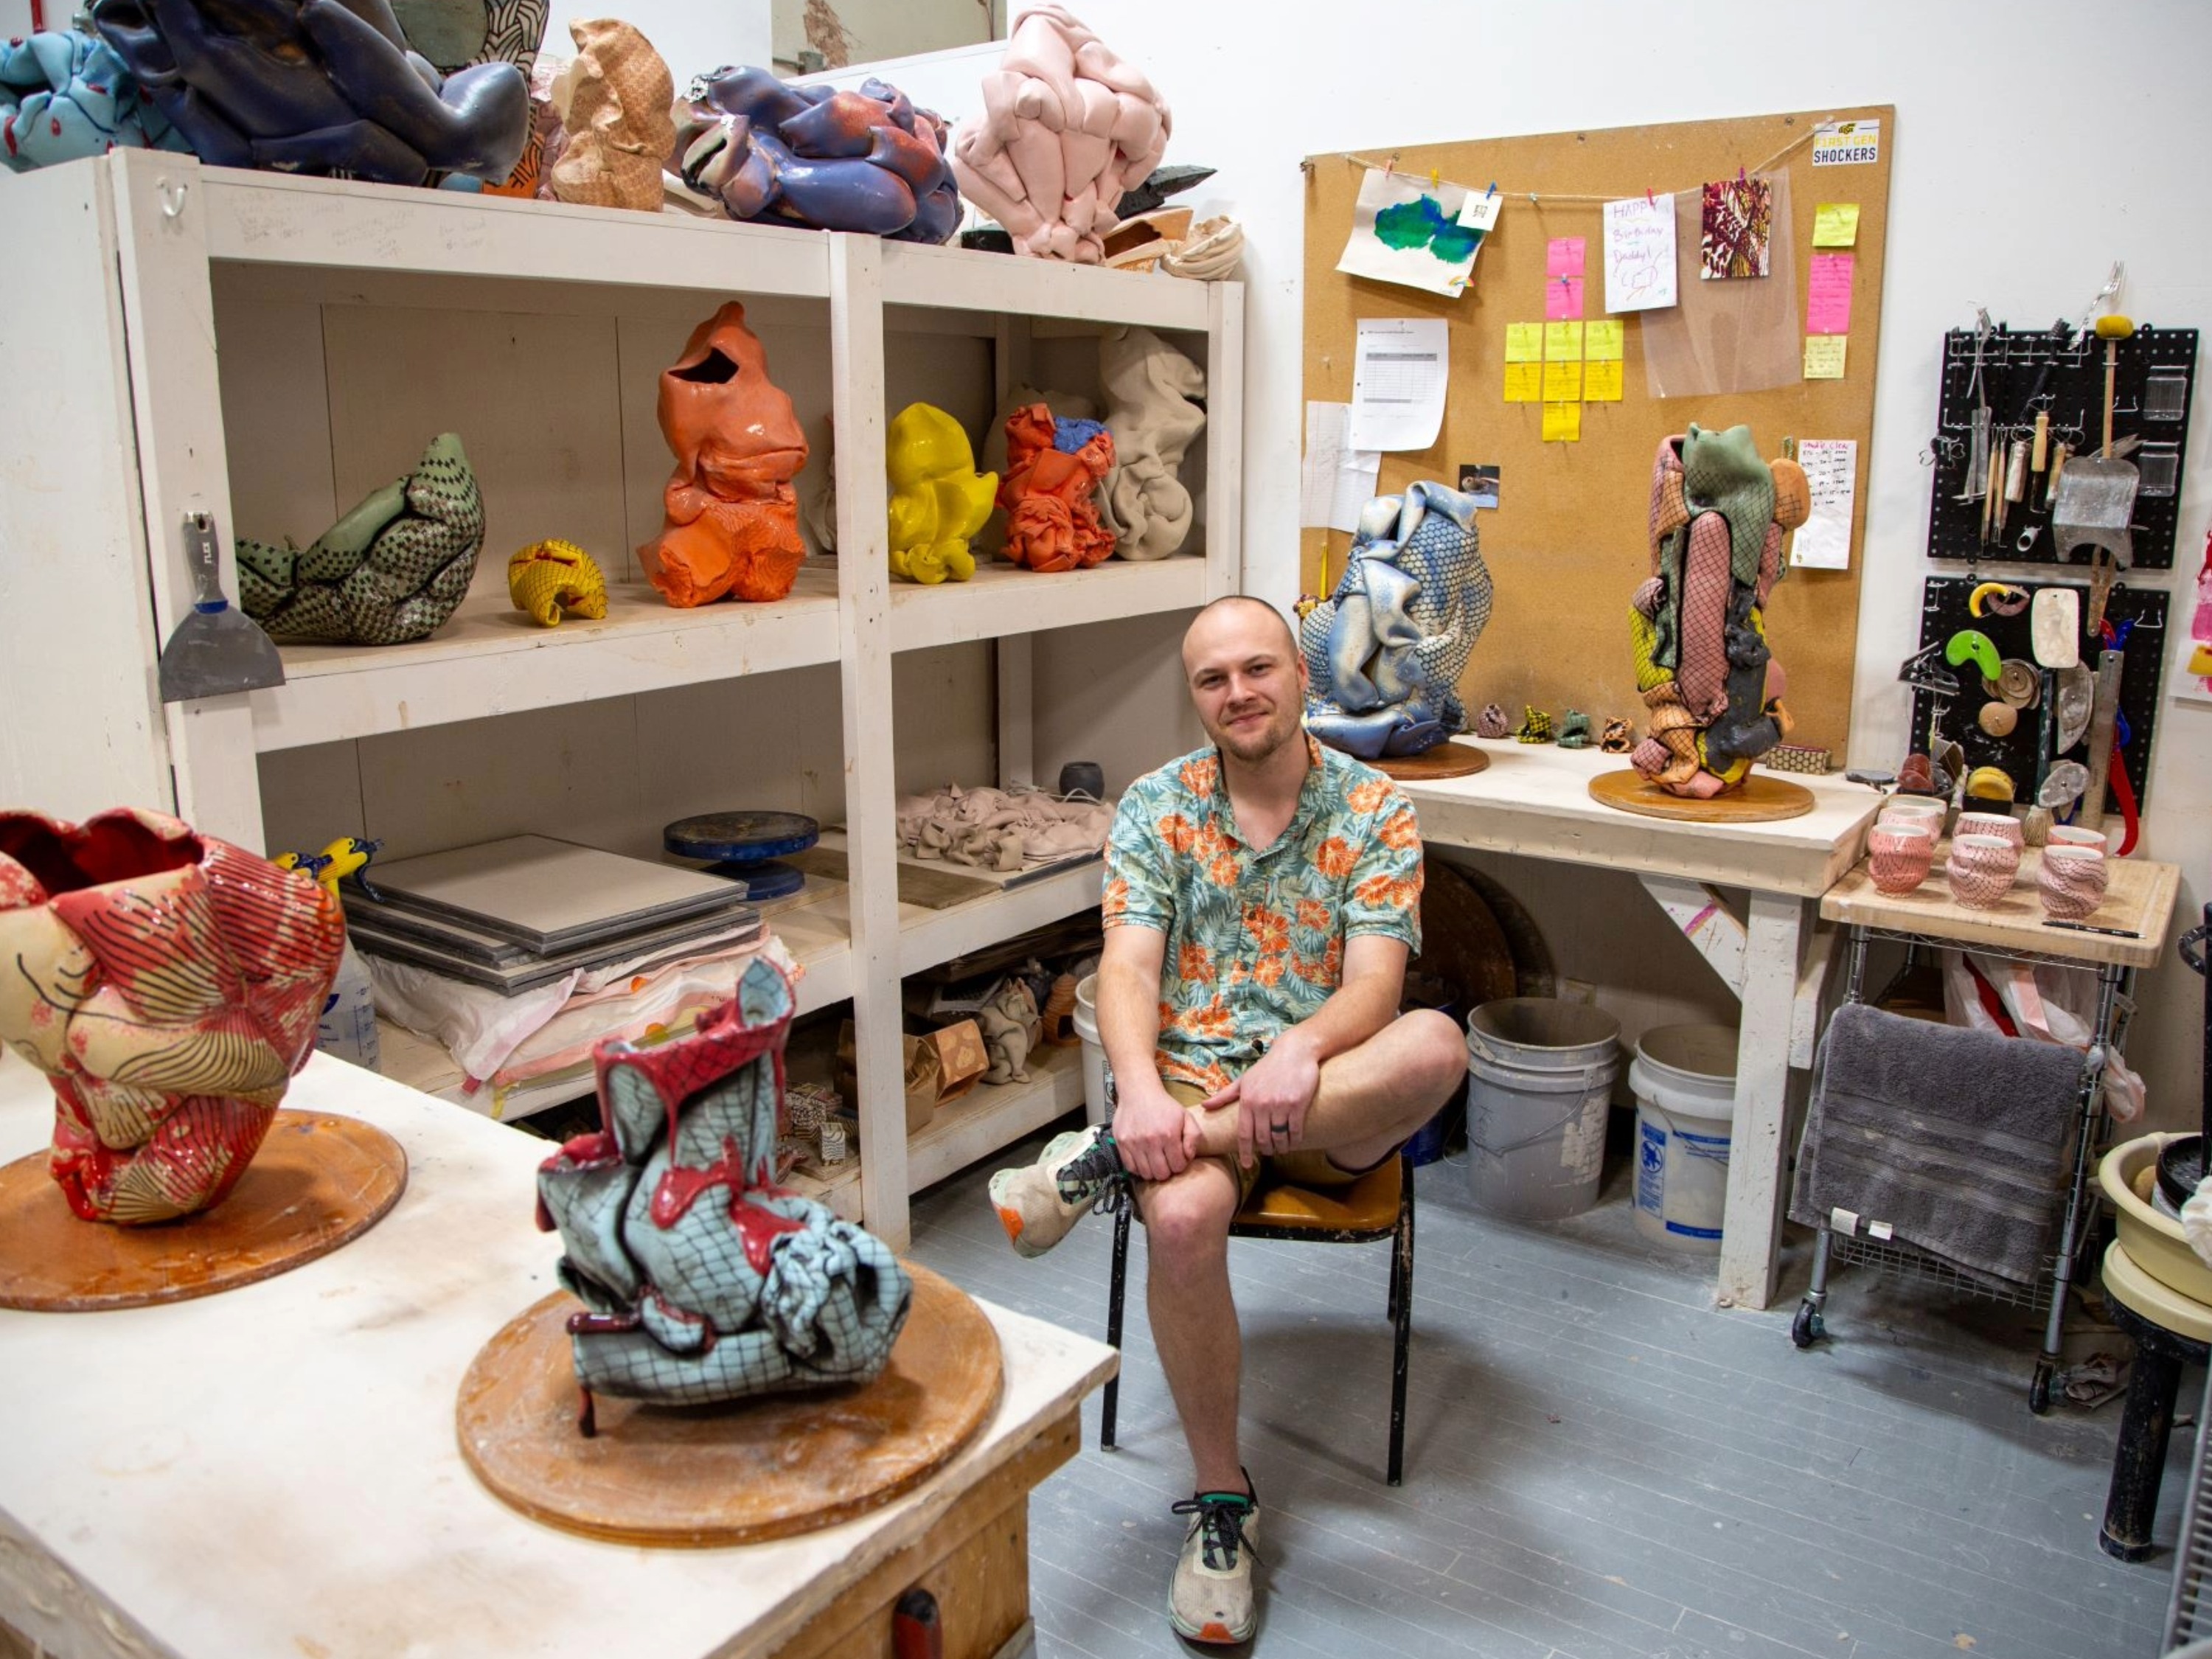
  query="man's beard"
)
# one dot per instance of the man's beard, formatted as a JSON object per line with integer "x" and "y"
{"x": 1254, "y": 750}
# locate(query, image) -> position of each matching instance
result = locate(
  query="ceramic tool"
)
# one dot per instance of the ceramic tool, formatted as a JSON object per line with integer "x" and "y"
{"x": 2102, "y": 723}
{"x": 215, "y": 650}
{"x": 2000, "y": 598}
{"x": 2054, "y": 622}
{"x": 2058, "y": 456}
{"x": 2096, "y": 498}
{"x": 747, "y": 847}
{"x": 2077, "y": 698}
{"x": 1977, "y": 447}
{"x": 2039, "y": 450}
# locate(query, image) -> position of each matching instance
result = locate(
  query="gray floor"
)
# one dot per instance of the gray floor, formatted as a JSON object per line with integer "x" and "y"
{"x": 1600, "y": 1464}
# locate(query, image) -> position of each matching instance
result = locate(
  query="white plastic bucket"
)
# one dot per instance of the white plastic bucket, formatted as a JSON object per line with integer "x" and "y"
{"x": 1684, "y": 1080}
{"x": 1540, "y": 1078}
{"x": 1094, "y": 1052}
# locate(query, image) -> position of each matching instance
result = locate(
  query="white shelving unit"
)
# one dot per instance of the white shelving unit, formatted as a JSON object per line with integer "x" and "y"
{"x": 213, "y": 339}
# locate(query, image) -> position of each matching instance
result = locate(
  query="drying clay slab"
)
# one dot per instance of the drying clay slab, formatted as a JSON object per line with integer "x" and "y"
{"x": 1446, "y": 760}
{"x": 318, "y": 1181}
{"x": 1763, "y": 798}
{"x": 707, "y": 1475}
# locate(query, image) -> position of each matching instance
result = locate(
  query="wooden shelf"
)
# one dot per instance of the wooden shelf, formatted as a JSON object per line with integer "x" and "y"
{"x": 1005, "y": 599}
{"x": 948, "y": 278}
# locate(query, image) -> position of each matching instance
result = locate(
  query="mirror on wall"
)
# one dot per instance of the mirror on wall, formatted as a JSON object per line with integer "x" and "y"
{"x": 813, "y": 35}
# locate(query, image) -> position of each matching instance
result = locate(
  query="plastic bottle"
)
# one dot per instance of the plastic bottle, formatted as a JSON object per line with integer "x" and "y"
{"x": 348, "y": 1026}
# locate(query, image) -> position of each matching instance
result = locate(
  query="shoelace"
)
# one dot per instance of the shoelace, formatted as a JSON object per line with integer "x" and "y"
{"x": 1221, "y": 1522}
{"x": 1100, "y": 1164}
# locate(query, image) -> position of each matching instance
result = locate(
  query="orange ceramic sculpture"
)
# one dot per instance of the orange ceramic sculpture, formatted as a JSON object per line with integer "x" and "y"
{"x": 733, "y": 518}
{"x": 1050, "y": 492}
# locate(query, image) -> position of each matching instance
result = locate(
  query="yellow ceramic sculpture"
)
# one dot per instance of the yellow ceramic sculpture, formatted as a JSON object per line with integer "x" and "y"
{"x": 547, "y": 578}
{"x": 938, "y": 499}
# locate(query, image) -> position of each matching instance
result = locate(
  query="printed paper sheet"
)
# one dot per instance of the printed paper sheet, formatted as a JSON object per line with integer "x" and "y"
{"x": 1338, "y": 481}
{"x": 1398, "y": 374}
{"x": 1823, "y": 542}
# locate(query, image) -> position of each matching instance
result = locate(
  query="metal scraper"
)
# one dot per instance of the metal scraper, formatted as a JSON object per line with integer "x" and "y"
{"x": 215, "y": 650}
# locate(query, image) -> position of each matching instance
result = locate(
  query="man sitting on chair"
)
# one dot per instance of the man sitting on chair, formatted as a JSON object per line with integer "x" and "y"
{"x": 1261, "y": 899}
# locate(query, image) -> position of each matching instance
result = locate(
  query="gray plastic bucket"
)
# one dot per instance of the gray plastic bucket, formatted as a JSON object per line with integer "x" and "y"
{"x": 1539, "y": 1076}
{"x": 1684, "y": 1080}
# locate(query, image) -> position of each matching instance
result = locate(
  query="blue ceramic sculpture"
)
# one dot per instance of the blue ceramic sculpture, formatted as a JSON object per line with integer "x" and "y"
{"x": 815, "y": 157}
{"x": 316, "y": 85}
{"x": 704, "y": 1281}
{"x": 1385, "y": 650}
{"x": 64, "y": 96}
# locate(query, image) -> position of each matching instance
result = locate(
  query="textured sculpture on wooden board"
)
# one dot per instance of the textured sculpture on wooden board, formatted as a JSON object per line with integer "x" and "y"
{"x": 817, "y": 157}
{"x": 732, "y": 524}
{"x": 1066, "y": 128}
{"x": 938, "y": 499}
{"x": 1053, "y": 468}
{"x": 701, "y": 1279}
{"x": 1697, "y": 622}
{"x": 1384, "y": 651}
{"x": 169, "y": 985}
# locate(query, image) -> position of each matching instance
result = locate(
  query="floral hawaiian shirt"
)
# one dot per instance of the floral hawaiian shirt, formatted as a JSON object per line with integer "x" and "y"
{"x": 1255, "y": 936}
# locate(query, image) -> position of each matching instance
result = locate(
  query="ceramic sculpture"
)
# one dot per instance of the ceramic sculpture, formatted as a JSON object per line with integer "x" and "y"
{"x": 1150, "y": 409}
{"x": 168, "y": 984}
{"x": 938, "y": 499}
{"x": 1385, "y": 650}
{"x": 817, "y": 157}
{"x": 1009, "y": 1023}
{"x": 1618, "y": 737}
{"x": 390, "y": 571}
{"x": 1066, "y": 128}
{"x": 65, "y": 95}
{"x": 1053, "y": 468}
{"x": 1981, "y": 869}
{"x": 454, "y": 34}
{"x": 1574, "y": 730}
{"x": 542, "y": 145}
{"x": 2072, "y": 880}
{"x": 1900, "y": 855}
{"x": 731, "y": 522}
{"x": 1535, "y": 726}
{"x": 612, "y": 100}
{"x": 547, "y": 580}
{"x": 317, "y": 86}
{"x": 1494, "y": 722}
{"x": 702, "y": 1280}
{"x": 1714, "y": 690}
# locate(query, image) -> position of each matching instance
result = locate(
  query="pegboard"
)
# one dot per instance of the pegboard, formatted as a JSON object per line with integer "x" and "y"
{"x": 2044, "y": 369}
{"x": 1943, "y": 613}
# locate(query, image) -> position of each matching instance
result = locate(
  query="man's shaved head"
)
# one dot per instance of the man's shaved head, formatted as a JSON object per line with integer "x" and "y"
{"x": 1249, "y": 605}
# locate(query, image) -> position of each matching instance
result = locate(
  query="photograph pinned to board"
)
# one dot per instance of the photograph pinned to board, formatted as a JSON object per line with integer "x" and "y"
{"x": 1639, "y": 254}
{"x": 1736, "y": 225}
{"x": 1482, "y": 482}
{"x": 1399, "y": 369}
{"x": 1407, "y": 230}
{"x": 1823, "y": 542}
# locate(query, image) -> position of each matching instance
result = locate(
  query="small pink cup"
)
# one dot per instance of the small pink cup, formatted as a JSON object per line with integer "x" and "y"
{"x": 1981, "y": 869}
{"x": 1898, "y": 856}
{"x": 2003, "y": 825}
{"x": 1914, "y": 809}
{"x": 2073, "y": 834}
{"x": 2072, "y": 881}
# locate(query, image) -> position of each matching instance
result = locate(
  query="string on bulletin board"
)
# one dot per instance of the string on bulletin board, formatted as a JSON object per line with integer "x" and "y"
{"x": 1539, "y": 197}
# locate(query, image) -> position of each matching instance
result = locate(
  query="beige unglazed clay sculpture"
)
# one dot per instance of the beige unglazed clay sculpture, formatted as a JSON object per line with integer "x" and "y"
{"x": 614, "y": 100}
{"x": 1066, "y": 127}
{"x": 1150, "y": 389}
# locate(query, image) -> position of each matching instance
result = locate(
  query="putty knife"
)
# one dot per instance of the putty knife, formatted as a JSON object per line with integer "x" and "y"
{"x": 215, "y": 650}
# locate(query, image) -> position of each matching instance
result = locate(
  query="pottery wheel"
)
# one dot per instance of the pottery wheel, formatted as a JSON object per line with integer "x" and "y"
{"x": 1763, "y": 798}
{"x": 318, "y": 1181}
{"x": 733, "y": 1474}
{"x": 1446, "y": 760}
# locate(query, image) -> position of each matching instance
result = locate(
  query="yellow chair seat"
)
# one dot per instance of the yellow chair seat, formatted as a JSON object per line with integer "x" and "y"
{"x": 1369, "y": 1205}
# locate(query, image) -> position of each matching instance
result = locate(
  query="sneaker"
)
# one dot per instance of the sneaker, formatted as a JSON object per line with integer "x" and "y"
{"x": 1211, "y": 1599}
{"x": 1039, "y": 1202}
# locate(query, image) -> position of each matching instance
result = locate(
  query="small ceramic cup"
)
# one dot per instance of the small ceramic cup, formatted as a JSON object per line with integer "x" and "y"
{"x": 1914, "y": 809}
{"x": 2072, "y": 835}
{"x": 1898, "y": 856}
{"x": 2072, "y": 882}
{"x": 1981, "y": 869}
{"x": 2003, "y": 825}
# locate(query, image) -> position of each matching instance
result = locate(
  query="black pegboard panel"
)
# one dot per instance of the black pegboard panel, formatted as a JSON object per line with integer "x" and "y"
{"x": 1943, "y": 612}
{"x": 2071, "y": 378}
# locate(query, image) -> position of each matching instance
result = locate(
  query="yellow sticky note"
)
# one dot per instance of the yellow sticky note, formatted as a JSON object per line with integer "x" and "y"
{"x": 1836, "y": 224}
{"x": 1524, "y": 382}
{"x": 1823, "y": 356}
{"x": 1601, "y": 382}
{"x": 1563, "y": 383}
{"x": 1562, "y": 423}
{"x": 1524, "y": 342}
{"x": 1602, "y": 342}
{"x": 1563, "y": 343}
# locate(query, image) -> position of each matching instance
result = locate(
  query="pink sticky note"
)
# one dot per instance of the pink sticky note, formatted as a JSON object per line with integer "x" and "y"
{"x": 1562, "y": 257}
{"x": 1563, "y": 299}
{"x": 1828, "y": 302}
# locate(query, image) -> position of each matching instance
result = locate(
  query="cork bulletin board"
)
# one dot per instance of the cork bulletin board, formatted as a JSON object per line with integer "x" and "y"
{"x": 1568, "y": 543}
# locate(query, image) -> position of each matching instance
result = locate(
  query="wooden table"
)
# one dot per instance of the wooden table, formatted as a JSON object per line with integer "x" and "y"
{"x": 273, "y": 1471}
{"x": 1533, "y": 799}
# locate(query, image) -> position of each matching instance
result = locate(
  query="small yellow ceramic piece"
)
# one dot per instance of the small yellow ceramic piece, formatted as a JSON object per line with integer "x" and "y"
{"x": 547, "y": 578}
{"x": 1990, "y": 783}
{"x": 2003, "y": 597}
{"x": 938, "y": 499}
{"x": 2200, "y": 659}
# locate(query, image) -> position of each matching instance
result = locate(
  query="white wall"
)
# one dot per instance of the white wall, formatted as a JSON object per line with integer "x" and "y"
{"x": 2020, "y": 204}
{"x": 691, "y": 37}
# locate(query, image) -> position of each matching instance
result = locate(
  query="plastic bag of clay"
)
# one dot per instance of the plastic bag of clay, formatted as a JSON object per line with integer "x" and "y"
{"x": 2043, "y": 1004}
{"x": 1740, "y": 334}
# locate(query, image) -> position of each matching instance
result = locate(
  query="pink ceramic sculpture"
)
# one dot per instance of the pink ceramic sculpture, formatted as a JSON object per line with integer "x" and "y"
{"x": 2005, "y": 827}
{"x": 2072, "y": 881}
{"x": 168, "y": 984}
{"x": 1066, "y": 128}
{"x": 1981, "y": 869}
{"x": 1898, "y": 856}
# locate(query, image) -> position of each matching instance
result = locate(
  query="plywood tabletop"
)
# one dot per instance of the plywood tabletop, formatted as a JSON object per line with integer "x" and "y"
{"x": 291, "y": 1444}
{"x": 2139, "y": 900}
{"x": 1533, "y": 798}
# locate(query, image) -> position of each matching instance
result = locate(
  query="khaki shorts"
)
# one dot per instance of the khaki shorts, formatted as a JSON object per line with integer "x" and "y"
{"x": 1317, "y": 1170}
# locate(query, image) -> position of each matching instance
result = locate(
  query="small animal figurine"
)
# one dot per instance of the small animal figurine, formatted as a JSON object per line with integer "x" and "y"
{"x": 938, "y": 498}
{"x": 1618, "y": 738}
{"x": 1535, "y": 726}
{"x": 1009, "y": 1023}
{"x": 547, "y": 578}
{"x": 1494, "y": 722}
{"x": 1574, "y": 730}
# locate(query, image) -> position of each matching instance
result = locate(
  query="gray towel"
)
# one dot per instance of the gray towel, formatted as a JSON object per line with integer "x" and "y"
{"x": 1962, "y": 1141}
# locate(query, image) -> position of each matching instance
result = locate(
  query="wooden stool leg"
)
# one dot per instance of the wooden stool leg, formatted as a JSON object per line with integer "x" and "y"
{"x": 2138, "y": 1464}
{"x": 1401, "y": 1315}
{"x": 1112, "y": 1399}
